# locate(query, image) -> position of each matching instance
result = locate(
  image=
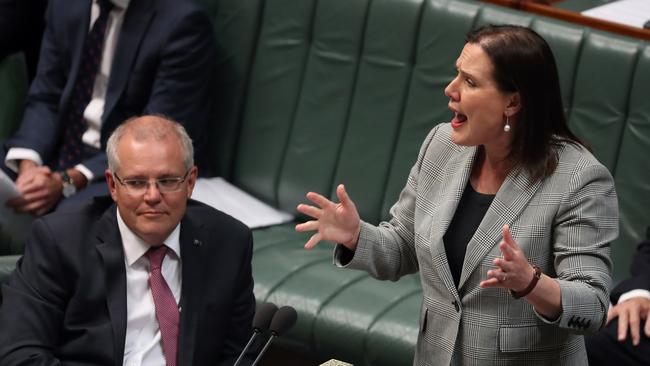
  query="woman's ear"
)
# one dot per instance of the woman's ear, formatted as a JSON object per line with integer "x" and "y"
{"x": 514, "y": 105}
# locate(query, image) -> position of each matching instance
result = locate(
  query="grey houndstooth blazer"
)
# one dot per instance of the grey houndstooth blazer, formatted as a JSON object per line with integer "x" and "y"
{"x": 564, "y": 223}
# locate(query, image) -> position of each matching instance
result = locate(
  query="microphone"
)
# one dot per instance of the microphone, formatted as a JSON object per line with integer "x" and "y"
{"x": 282, "y": 321}
{"x": 261, "y": 322}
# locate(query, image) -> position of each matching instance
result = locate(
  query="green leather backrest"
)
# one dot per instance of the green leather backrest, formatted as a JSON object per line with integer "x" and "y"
{"x": 13, "y": 89}
{"x": 342, "y": 91}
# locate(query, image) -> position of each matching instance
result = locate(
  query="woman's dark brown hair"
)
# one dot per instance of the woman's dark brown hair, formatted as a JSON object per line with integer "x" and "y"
{"x": 523, "y": 62}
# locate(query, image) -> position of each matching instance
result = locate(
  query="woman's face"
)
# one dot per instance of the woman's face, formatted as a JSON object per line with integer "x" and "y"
{"x": 479, "y": 107}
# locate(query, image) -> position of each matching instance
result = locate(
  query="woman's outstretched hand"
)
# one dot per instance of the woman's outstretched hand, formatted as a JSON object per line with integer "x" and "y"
{"x": 335, "y": 222}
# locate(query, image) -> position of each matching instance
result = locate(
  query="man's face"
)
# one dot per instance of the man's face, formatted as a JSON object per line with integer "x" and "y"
{"x": 152, "y": 215}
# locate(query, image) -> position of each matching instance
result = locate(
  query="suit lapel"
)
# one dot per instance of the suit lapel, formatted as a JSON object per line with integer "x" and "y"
{"x": 193, "y": 264}
{"x": 136, "y": 21}
{"x": 456, "y": 176}
{"x": 509, "y": 202}
{"x": 109, "y": 246}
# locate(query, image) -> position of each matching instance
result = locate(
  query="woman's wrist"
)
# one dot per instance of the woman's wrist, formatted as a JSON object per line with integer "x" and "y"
{"x": 537, "y": 274}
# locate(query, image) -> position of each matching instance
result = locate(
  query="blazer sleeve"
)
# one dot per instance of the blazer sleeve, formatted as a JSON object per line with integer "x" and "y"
{"x": 185, "y": 81}
{"x": 39, "y": 129}
{"x": 585, "y": 224}
{"x": 34, "y": 301}
{"x": 640, "y": 271}
{"x": 387, "y": 252}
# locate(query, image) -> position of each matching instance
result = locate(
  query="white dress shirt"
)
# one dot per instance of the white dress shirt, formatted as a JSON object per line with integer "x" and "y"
{"x": 95, "y": 108}
{"x": 143, "y": 345}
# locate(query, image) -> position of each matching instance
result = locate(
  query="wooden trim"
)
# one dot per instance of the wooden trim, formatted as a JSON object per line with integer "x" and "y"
{"x": 573, "y": 17}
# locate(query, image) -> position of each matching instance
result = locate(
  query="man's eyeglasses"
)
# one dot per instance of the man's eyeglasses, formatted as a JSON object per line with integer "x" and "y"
{"x": 139, "y": 186}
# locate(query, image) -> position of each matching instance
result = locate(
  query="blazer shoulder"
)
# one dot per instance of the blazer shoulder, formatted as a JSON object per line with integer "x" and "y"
{"x": 89, "y": 213}
{"x": 576, "y": 160}
{"x": 213, "y": 218}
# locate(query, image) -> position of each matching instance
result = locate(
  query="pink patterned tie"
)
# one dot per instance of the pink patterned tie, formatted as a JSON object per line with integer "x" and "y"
{"x": 166, "y": 309}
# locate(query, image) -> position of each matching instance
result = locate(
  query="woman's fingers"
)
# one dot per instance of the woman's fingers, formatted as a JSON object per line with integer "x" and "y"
{"x": 319, "y": 200}
{"x": 307, "y": 226}
{"x": 310, "y": 210}
{"x": 313, "y": 241}
{"x": 342, "y": 195}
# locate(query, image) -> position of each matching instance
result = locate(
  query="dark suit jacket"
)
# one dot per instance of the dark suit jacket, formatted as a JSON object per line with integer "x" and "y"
{"x": 164, "y": 63}
{"x": 66, "y": 301}
{"x": 640, "y": 270}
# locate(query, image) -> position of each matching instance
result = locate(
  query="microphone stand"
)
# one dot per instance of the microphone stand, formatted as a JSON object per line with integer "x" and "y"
{"x": 274, "y": 335}
{"x": 248, "y": 345}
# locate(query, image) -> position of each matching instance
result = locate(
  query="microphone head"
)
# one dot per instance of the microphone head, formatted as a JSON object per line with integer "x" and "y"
{"x": 263, "y": 316}
{"x": 283, "y": 320}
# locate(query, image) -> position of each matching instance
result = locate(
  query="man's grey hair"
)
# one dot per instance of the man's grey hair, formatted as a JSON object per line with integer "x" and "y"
{"x": 155, "y": 127}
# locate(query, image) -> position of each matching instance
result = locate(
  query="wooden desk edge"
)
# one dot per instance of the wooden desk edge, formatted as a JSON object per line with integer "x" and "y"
{"x": 573, "y": 17}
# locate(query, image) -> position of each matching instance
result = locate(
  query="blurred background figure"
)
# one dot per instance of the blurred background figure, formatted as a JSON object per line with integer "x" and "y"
{"x": 626, "y": 338}
{"x": 101, "y": 62}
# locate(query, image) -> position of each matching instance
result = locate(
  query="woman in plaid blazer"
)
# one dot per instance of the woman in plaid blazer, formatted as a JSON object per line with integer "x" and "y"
{"x": 505, "y": 214}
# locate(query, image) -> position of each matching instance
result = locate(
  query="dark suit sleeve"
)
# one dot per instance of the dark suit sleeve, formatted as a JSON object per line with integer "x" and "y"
{"x": 184, "y": 86}
{"x": 33, "y": 303}
{"x": 39, "y": 129}
{"x": 241, "y": 318}
{"x": 640, "y": 271}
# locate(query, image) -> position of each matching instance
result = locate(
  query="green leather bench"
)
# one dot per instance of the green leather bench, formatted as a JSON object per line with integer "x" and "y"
{"x": 319, "y": 92}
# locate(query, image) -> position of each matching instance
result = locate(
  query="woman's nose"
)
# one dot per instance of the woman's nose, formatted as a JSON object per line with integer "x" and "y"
{"x": 450, "y": 90}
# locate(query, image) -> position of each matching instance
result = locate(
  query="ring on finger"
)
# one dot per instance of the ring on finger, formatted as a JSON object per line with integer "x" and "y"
{"x": 504, "y": 277}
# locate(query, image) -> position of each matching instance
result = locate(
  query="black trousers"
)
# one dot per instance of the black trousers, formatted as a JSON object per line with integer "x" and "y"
{"x": 603, "y": 348}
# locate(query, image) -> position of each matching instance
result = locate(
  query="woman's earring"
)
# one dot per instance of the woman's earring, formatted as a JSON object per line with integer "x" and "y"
{"x": 506, "y": 128}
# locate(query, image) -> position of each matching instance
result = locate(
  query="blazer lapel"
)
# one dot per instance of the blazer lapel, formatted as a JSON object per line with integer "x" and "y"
{"x": 509, "y": 202}
{"x": 193, "y": 263}
{"x": 136, "y": 21}
{"x": 456, "y": 176}
{"x": 109, "y": 246}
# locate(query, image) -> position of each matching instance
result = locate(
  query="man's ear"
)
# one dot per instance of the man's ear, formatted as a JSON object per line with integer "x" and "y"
{"x": 514, "y": 104}
{"x": 191, "y": 180}
{"x": 110, "y": 181}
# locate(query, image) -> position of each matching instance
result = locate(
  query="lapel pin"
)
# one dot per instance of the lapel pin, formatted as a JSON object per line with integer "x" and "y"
{"x": 197, "y": 243}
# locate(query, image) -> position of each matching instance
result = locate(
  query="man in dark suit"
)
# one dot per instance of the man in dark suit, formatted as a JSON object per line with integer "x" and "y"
{"x": 147, "y": 57}
{"x": 88, "y": 290}
{"x": 626, "y": 338}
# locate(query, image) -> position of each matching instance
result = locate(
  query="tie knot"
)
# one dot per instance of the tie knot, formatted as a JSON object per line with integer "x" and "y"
{"x": 156, "y": 255}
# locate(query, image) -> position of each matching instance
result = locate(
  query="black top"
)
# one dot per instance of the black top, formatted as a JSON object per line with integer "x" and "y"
{"x": 469, "y": 214}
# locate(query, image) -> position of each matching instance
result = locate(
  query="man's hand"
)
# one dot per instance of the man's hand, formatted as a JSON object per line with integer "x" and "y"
{"x": 40, "y": 189}
{"x": 630, "y": 314}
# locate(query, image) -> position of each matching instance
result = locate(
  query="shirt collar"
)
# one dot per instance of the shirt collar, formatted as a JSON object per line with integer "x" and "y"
{"x": 135, "y": 247}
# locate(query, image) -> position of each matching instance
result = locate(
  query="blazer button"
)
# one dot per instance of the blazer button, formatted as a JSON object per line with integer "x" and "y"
{"x": 456, "y": 306}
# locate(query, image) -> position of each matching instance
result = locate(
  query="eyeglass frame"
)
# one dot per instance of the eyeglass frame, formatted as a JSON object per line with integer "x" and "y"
{"x": 129, "y": 189}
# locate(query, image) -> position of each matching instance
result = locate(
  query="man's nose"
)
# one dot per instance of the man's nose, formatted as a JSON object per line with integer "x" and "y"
{"x": 152, "y": 193}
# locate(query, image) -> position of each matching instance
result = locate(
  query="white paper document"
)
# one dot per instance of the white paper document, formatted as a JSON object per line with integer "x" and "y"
{"x": 15, "y": 225}
{"x": 629, "y": 12}
{"x": 7, "y": 188}
{"x": 220, "y": 194}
